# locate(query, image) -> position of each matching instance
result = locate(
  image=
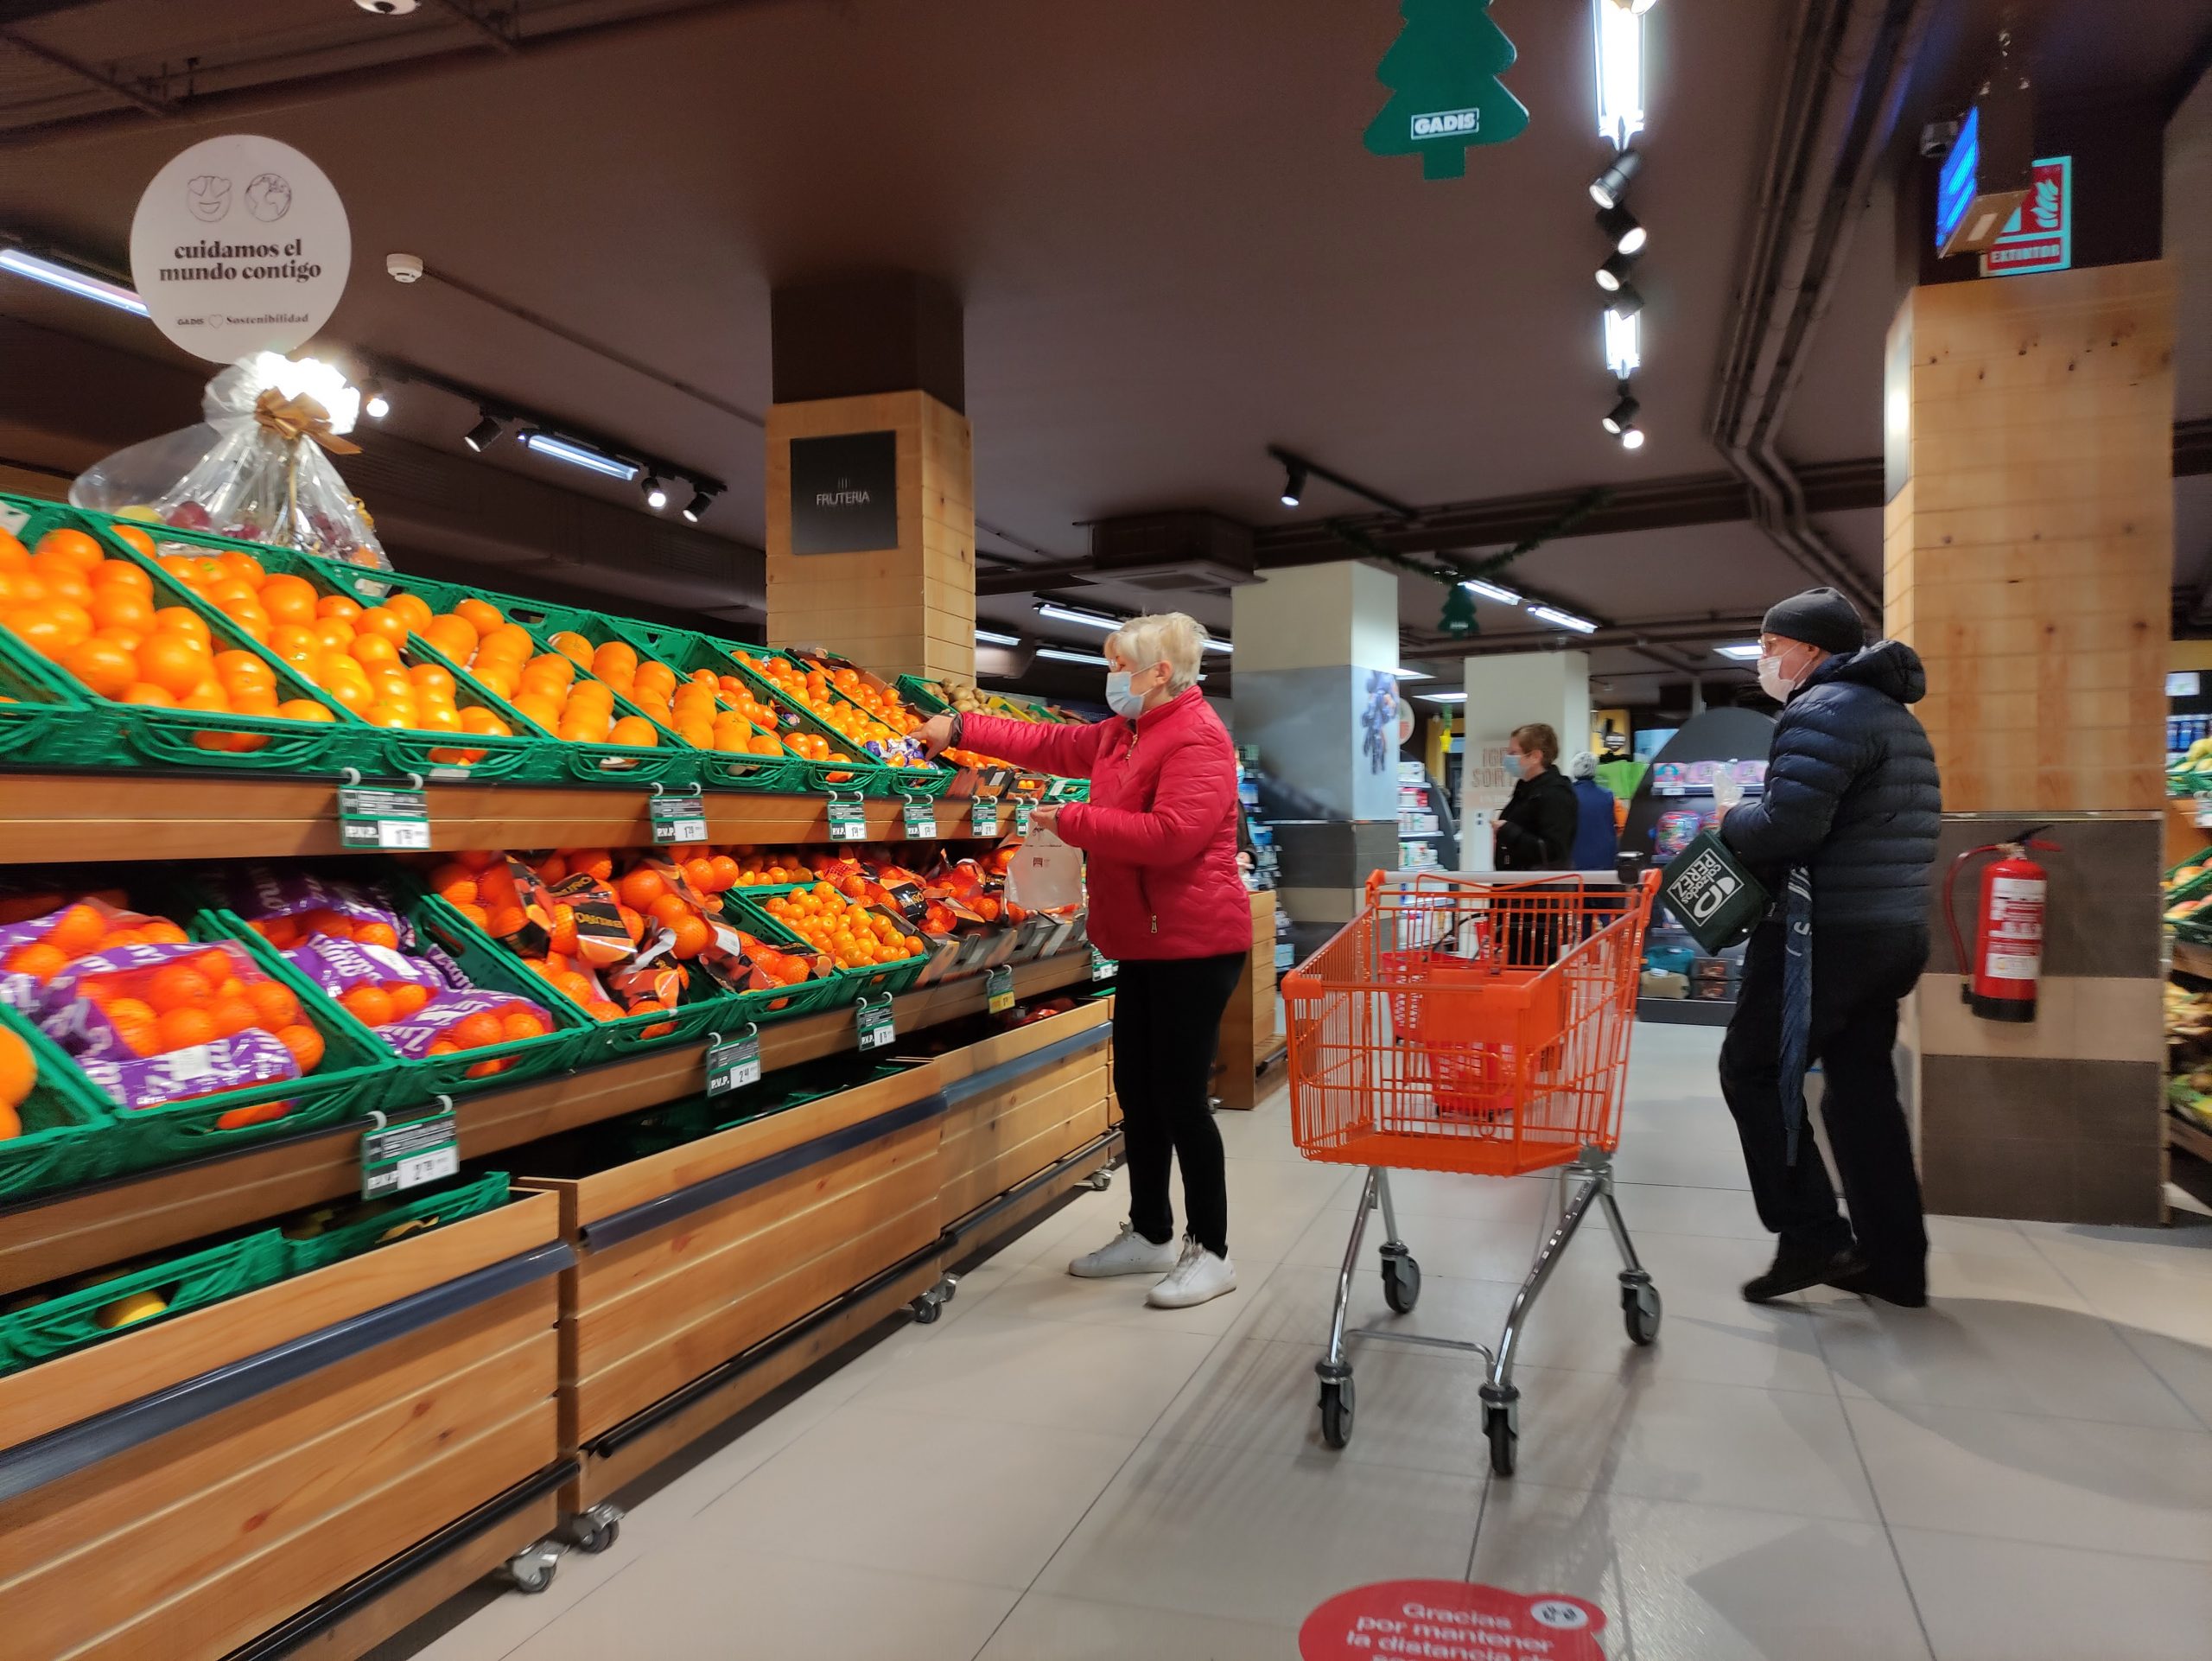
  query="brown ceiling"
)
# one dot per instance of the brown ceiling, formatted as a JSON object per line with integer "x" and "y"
{"x": 1171, "y": 248}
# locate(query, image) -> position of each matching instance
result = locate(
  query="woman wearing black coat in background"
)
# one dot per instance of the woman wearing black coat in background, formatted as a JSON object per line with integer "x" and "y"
{"x": 1536, "y": 831}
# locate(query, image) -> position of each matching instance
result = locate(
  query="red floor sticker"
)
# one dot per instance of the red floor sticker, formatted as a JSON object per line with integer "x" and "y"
{"x": 1450, "y": 1620}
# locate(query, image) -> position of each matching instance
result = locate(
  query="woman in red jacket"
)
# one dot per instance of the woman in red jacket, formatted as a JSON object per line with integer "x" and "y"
{"x": 1168, "y": 902}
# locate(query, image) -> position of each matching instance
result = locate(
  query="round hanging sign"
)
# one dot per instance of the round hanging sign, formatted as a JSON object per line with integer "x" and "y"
{"x": 240, "y": 244}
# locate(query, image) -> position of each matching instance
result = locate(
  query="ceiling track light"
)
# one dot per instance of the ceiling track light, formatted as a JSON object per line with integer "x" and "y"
{"x": 1609, "y": 188}
{"x": 656, "y": 493}
{"x": 578, "y": 455}
{"x": 374, "y": 403}
{"x": 485, "y": 433}
{"x": 1566, "y": 620}
{"x": 1623, "y": 229}
{"x": 1613, "y": 275}
{"x": 1621, "y": 416}
{"x": 1293, "y": 484}
{"x": 1627, "y": 301}
{"x": 702, "y": 499}
{"x": 1631, "y": 438}
{"x": 1491, "y": 591}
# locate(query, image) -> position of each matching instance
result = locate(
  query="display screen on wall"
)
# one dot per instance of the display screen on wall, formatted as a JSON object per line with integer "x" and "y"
{"x": 845, "y": 493}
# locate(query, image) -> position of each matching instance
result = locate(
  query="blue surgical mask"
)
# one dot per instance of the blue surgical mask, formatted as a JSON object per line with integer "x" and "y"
{"x": 1119, "y": 698}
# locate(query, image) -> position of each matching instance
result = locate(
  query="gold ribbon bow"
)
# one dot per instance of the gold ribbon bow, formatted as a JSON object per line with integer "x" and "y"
{"x": 292, "y": 419}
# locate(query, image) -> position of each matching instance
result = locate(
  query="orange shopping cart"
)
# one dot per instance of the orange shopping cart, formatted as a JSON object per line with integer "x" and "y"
{"x": 1478, "y": 1024}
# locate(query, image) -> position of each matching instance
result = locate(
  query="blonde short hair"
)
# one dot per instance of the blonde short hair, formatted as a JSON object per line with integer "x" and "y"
{"x": 1170, "y": 638}
{"x": 1537, "y": 739}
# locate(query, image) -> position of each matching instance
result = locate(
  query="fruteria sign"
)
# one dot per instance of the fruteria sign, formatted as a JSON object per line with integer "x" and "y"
{"x": 2039, "y": 237}
{"x": 240, "y": 246}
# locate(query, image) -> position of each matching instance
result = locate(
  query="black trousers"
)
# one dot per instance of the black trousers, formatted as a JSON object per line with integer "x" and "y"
{"x": 1167, "y": 1027}
{"x": 1859, "y": 977}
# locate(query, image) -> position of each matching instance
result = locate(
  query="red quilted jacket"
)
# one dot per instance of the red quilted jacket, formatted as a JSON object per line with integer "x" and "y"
{"x": 1160, "y": 829}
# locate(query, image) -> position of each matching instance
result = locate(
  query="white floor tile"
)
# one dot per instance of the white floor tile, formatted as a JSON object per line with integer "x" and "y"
{"x": 919, "y": 1494}
{"x": 1046, "y": 1291}
{"x": 1294, "y": 1306}
{"x": 2016, "y": 1476}
{"x": 1999, "y": 1600}
{"x": 1044, "y": 1627}
{"x": 1467, "y": 1248}
{"x": 1683, "y": 1582}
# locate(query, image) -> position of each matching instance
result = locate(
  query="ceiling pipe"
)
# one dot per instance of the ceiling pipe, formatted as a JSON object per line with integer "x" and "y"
{"x": 1847, "y": 67}
{"x": 1682, "y": 631}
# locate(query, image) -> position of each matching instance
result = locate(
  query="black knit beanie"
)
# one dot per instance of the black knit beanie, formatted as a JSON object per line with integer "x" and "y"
{"x": 1819, "y": 617}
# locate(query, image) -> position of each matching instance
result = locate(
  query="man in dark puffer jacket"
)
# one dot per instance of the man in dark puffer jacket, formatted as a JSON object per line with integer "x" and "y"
{"x": 1852, "y": 795}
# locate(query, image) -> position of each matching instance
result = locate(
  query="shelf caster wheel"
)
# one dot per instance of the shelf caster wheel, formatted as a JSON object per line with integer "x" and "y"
{"x": 530, "y": 1571}
{"x": 930, "y": 1307}
{"x": 1401, "y": 1280}
{"x": 1336, "y": 1412}
{"x": 1501, "y": 1425}
{"x": 1640, "y": 1312}
{"x": 595, "y": 1529}
{"x": 1098, "y": 1182}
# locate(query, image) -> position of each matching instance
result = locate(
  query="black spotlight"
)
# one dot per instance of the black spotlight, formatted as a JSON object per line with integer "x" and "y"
{"x": 485, "y": 433}
{"x": 1621, "y": 416}
{"x": 1293, "y": 484}
{"x": 1626, "y": 301}
{"x": 1609, "y": 186}
{"x": 1623, "y": 229}
{"x": 701, "y": 501}
{"x": 656, "y": 493}
{"x": 1612, "y": 276}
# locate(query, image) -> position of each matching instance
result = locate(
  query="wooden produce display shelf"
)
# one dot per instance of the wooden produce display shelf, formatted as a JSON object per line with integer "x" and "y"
{"x": 66, "y": 815}
{"x": 69, "y": 1233}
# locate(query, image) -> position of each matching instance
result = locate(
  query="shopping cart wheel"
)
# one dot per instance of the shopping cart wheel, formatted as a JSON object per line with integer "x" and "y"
{"x": 1336, "y": 1412}
{"x": 1640, "y": 1311}
{"x": 1499, "y": 1428}
{"x": 1401, "y": 1279}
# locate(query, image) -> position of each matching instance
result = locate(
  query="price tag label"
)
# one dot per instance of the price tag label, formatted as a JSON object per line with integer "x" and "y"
{"x": 383, "y": 818}
{"x": 982, "y": 816}
{"x": 678, "y": 818}
{"x": 1103, "y": 968}
{"x": 404, "y": 1156}
{"x": 733, "y": 1064}
{"x": 874, "y": 1020}
{"x": 1022, "y": 810}
{"x": 998, "y": 988}
{"x": 847, "y": 821}
{"x": 920, "y": 820}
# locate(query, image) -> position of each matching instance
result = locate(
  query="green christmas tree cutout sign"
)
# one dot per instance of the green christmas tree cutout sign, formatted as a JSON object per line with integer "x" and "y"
{"x": 1443, "y": 75}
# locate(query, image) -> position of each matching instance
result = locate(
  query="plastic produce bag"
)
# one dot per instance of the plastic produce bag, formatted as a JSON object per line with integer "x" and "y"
{"x": 1045, "y": 874}
{"x": 255, "y": 468}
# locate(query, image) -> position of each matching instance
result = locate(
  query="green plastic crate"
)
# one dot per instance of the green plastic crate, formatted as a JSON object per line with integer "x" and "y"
{"x": 68, "y": 1136}
{"x": 853, "y": 983}
{"x": 869, "y": 777}
{"x": 44, "y": 725}
{"x": 491, "y": 968}
{"x": 625, "y": 766}
{"x": 357, "y": 1076}
{"x": 70, "y": 1322}
{"x": 933, "y": 780}
{"x": 410, "y": 1217}
{"x": 525, "y": 757}
{"x": 136, "y": 735}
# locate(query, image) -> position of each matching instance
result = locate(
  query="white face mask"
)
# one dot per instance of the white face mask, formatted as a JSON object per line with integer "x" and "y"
{"x": 1776, "y": 682}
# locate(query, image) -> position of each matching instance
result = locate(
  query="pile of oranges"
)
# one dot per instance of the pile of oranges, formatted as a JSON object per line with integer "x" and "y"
{"x": 18, "y": 1078}
{"x": 543, "y": 685}
{"x": 690, "y": 708}
{"x": 852, "y": 934}
{"x": 355, "y": 654}
{"x": 812, "y": 690}
{"x": 893, "y": 711}
{"x": 100, "y": 619}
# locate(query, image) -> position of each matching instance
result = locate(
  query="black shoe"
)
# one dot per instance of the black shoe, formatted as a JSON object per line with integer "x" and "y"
{"x": 1796, "y": 1268}
{"x": 1906, "y": 1291}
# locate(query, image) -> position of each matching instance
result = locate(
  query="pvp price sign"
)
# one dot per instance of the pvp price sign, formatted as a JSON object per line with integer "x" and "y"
{"x": 383, "y": 818}
{"x": 847, "y": 821}
{"x": 732, "y": 1065}
{"x": 397, "y": 1157}
{"x": 678, "y": 818}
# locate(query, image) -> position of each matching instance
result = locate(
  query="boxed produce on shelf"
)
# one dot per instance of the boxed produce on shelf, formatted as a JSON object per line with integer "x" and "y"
{"x": 329, "y": 1234}
{"x": 42, "y": 723}
{"x": 201, "y": 1042}
{"x": 809, "y": 685}
{"x": 38, "y": 1326}
{"x": 55, "y": 1130}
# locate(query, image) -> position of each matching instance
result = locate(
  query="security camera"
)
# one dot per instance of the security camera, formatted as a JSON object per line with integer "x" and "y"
{"x": 388, "y": 8}
{"x": 403, "y": 268}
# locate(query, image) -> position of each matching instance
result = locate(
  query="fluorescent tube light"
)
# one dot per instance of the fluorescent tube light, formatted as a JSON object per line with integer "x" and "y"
{"x": 1560, "y": 619}
{"x": 1744, "y": 652}
{"x": 579, "y": 455}
{"x": 1063, "y": 654}
{"x": 992, "y": 637}
{"x": 1441, "y": 697}
{"x": 1619, "y": 33}
{"x": 1412, "y": 674}
{"x": 1491, "y": 591}
{"x": 83, "y": 284}
{"x": 1069, "y": 615}
{"x": 1213, "y": 644}
{"x": 1622, "y": 356}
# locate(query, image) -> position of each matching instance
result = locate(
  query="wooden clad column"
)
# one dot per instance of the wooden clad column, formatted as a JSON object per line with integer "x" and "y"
{"x": 877, "y": 355}
{"x": 2028, "y": 553}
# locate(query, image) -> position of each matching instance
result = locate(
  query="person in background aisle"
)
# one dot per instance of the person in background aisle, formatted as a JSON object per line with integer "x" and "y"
{"x": 1167, "y": 904}
{"x": 1536, "y": 831}
{"x": 1596, "y": 838}
{"x": 1845, "y": 833}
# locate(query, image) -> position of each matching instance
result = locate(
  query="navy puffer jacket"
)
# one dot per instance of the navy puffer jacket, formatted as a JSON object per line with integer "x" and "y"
{"x": 1851, "y": 792}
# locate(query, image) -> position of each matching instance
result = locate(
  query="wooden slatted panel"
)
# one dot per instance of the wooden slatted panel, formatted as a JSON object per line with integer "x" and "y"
{"x": 995, "y": 1140}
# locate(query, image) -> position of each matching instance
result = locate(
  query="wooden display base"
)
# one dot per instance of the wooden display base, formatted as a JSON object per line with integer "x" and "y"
{"x": 1249, "y": 1040}
{"x": 69, "y": 1233}
{"x": 46, "y": 816}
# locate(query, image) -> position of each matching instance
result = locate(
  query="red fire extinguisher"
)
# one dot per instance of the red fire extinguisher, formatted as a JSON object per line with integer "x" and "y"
{"x": 2008, "y": 929}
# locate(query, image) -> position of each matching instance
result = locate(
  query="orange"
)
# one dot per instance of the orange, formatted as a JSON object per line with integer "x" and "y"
{"x": 273, "y": 1002}
{"x": 230, "y": 590}
{"x": 115, "y": 605}
{"x": 147, "y": 692}
{"x": 183, "y": 620}
{"x": 506, "y": 921}
{"x": 121, "y": 574}
{"x": 520, "y": 1024}
{"x": 412, "y": 607}
{"x": 573, "y": 646}
{"x": 244, "y": 568}
{"x": 593, "y": 862}
{"x": 480, "y": 614}
{"x": 474, "y": 1032}
{"x": 337, "y": 605}
{"x": 78, "y": 929}
{"x": 72, "y": 545}
{"x": 232, "y": 1016}
{"x": 180, "y": 1028}
{"x": 670, "y": 907}
{"x": 691, "y": 936}
{"x": 177, "y": 986}
{"x": 639, "y": 889}
{"x": 305, "y": 1044}
{"x": 406, "y": 999}
{"x": 475, "y": 913}
{"x": 372, "y": 649}
{"x": 334, "y": 633}
{"x": 289, "y": 599}
{"x": 369, "y": 1005}
{"x": 38, "y": 960}
{"x": 539, "y": 708}
{"x": 383, "y": 619}
{"x": 241, "y": 668}
{"x": 451, "y": 635}
{"x": 634, "y": 729}
{"x": 106, "y": 668}
{"x": 173, "y": 662}
{"x": 508, "y": 640}
{"x": 208, "y": 696}
{"x": 616, "y": 657}
{"x": 429, "y": 676}
{"x": 601, "y": 1009}
{"x": 577, "y": 988}
{"x": 377, "y": 934}
{"x": 302, "y": 709}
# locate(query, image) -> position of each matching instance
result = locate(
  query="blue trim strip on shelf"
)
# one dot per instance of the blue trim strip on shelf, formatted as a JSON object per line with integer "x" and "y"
{"x": 1006, "y": 1072}
{"x": 75, "y": 1448}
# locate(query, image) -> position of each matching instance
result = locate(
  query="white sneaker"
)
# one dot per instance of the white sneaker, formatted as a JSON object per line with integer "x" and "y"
{"x": 1129, "y": 1253}
{"x": 1198, "y": 1278}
